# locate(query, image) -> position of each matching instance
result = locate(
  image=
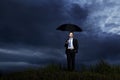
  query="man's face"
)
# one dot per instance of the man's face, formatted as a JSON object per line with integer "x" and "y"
{"x": 71, "y": 35}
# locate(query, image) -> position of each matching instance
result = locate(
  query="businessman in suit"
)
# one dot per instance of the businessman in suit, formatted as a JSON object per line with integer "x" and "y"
{"x": 71, "y": 45}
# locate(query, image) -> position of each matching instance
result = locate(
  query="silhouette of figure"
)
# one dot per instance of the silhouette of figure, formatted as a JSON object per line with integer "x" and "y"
{"x": 71, "y": 45}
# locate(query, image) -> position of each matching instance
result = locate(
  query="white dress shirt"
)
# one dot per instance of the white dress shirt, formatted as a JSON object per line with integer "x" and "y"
{"x": 70, "y": 43}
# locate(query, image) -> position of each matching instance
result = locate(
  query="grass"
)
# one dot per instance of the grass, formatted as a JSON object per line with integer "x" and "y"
{"x": 100, "y": 71}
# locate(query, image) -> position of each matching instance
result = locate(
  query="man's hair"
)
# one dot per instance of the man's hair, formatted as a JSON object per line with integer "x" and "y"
{"x": 71, "y": 32}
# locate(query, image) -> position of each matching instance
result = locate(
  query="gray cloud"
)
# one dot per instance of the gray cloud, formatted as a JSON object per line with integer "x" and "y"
{"x": 31, "y": 54}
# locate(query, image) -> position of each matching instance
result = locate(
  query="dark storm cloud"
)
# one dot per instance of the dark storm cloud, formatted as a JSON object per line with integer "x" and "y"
{"x": 21, "y": 58}
{"x": 25, "y": 23}
{"x": 95, "y": 50}
{"x": 78, "y": 13}
{"x": 31, "y": 55}
{"x": 28, "y": 24}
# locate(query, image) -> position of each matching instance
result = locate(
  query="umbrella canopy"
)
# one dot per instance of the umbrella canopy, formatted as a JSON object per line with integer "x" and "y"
{"x": 69, "y": 27}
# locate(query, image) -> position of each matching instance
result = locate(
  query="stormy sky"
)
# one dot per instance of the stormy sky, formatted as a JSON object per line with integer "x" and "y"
{"x": 28, "y": 35}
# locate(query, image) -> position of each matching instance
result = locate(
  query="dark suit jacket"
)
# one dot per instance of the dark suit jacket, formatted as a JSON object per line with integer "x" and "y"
{"x": 75, "y": 44}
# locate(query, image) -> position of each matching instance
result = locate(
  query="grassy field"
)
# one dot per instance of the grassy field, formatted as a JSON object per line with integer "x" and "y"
{"x": 100, "y": 71}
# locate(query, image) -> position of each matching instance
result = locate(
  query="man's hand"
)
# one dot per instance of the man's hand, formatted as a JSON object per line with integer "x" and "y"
{"x": 66, "y": 42}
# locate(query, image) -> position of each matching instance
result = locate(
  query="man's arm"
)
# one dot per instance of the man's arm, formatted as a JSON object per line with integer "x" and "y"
{"x": 66, "y": 43}
{"x": 76, "y": 45}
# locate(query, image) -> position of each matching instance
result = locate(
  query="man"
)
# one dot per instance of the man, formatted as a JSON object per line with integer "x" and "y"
{"x": 71, "y": 45}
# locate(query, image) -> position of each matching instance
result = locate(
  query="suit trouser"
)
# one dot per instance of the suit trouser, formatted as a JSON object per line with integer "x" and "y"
{"x": 71, "y": 60}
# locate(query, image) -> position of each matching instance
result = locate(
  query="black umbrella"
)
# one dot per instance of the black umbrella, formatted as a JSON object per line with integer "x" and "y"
{"x": 69, "y": 27}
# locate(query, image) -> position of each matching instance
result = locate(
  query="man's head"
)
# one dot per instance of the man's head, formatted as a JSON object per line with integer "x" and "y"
{"x": 71, "y": 35}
